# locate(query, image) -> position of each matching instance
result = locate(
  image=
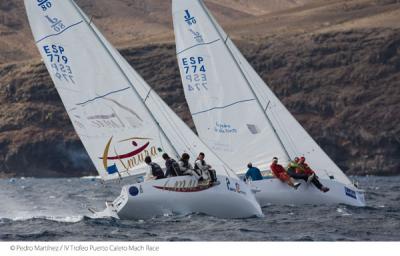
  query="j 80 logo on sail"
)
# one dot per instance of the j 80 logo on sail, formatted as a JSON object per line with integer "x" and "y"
{"x": 44, "y": 4}
{"x": 189, "y": 19}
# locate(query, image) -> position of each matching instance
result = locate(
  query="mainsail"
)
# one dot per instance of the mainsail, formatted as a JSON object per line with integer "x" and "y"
{"x": 234, "y": 111}
{"x": 117, "y": 116}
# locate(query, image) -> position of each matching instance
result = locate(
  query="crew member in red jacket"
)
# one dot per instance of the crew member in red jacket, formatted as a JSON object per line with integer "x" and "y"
{"x": 304, "y": 168}
{"x": 281, "y": 174}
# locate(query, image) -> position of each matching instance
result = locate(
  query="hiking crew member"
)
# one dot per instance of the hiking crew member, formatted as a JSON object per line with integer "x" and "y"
{"x": 253, "y": 173}
{"x": 281, "y": 174}
{"x": 297, "y": 170}
{"x": 172, "y": 167}
{"x": 293, "y": 170}
{"x": 312, "y": 176}
{"x": 186, "y": 168}
{"x": 156, "y": 170}
{"x": 206, "y": 169}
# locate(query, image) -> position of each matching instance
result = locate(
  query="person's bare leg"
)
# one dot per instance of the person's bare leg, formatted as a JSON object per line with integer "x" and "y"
{"x": 292, "y": 183}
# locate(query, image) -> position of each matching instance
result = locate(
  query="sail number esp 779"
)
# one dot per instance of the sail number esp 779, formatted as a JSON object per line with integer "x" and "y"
{"x": 59, "y": 62}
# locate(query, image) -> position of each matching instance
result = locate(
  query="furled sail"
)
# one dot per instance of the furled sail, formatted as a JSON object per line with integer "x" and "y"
{"x": 235, "y": 112}
{"x": 111, "y": 108}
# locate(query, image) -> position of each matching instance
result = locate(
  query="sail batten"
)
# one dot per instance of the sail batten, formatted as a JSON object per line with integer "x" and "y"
{"x": 197, "y": 45}
{"x": 222, "y": 107}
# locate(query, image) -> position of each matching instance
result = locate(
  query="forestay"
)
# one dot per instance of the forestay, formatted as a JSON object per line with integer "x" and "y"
{"x": 203, "y": 37}
{"x": 107, "y": 111}
{"x": 227, "y": 114}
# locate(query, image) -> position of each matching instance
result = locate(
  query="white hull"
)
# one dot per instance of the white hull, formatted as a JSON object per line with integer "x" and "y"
{"x": 230, "y": 199}
{"x": 273, "y": 191}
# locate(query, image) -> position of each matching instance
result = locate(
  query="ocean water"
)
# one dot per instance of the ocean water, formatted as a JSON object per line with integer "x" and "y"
{"x": 56, "y": 210}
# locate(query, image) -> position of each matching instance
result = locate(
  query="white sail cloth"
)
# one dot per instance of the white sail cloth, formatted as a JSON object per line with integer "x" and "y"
{"x": 226, "y": 112}
{"x": 116, "y": 115}
{"x": 234, "y": 111}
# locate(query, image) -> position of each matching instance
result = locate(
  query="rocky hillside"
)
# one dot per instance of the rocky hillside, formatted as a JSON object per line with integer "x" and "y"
{"x": 124, "y": 22}
{"x": 340, "y": 80}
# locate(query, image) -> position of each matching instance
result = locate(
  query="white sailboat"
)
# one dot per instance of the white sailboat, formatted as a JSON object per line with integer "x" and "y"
{"x": 120, "y": 121}
{"x": 241, "y": 119}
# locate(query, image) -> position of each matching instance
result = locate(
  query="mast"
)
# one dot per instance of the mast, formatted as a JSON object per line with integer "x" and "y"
{"x": 125, "y": 76}
{"x": 244, "y": 76}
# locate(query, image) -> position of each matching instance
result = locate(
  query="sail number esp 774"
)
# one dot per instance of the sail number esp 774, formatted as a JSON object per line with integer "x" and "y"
{"x": 194, "y": 69}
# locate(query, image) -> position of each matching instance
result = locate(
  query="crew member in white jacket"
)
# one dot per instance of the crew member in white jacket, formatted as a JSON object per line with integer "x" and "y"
{"x": 187, "y": 168}
{"x": 206, "y": 170}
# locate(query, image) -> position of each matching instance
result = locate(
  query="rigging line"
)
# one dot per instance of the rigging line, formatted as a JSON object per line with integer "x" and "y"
{"x": 147, "y": 96}
{"x": 288, "y": 135}
{"x": 101, "y": 96}
{"x": 121, "y": 70}
{"x": 266, "y": 108}
{"x": 226, "y": 39}
{"x": 265, "y": 97}
{"x": 244, "y": 76}
{"x": 229, "y": 105}
{"x": 158, "y": 101}
{"x": 59, "y": 33}
{"x": 160, "y": 107}
{"x": 225, "y": 166}
{"x": 196, "y": 45}
{"x": 185, "y": 142}
{"x": 285, "y": 132}
{"x": 169, "y": 118}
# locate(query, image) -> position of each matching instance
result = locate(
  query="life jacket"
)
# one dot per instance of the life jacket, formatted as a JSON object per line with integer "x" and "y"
{"x": 156, "y": 171}
{"x": 306, "y": 169}
{"x": 175, "y": 167}
{"x": 206, "y": 173}
{"x": 293, "y": 165}
{"x": 185, "y": 164}
{"x": 197, "y": 168}
{"x": 277, "y": 169}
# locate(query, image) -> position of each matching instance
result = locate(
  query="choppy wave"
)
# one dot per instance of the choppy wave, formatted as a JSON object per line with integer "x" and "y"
{"x": 56, "y": 209}
{"x": 61, "y": 219}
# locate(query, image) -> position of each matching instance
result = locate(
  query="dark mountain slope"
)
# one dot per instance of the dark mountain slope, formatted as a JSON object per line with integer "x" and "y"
{"x": 342, "y": 86}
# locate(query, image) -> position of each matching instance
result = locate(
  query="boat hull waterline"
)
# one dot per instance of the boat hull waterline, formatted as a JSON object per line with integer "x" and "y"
{"x": 231, "y": 198}
{"x": 274, "y": 191}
